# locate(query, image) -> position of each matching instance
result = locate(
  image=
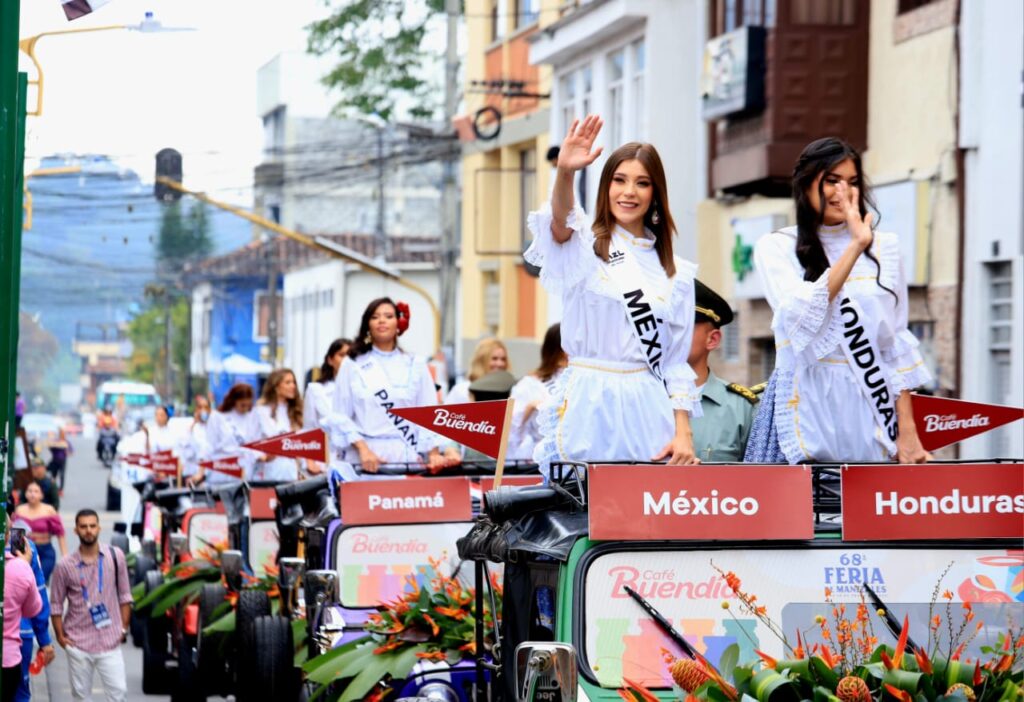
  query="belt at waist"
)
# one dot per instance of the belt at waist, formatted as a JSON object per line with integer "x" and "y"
{"x": 605, "y": 365}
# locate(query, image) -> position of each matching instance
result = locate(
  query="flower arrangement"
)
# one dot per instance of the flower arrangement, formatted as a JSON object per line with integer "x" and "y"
{"x": 433, "y": 621}
{"x": 849, "y": 665}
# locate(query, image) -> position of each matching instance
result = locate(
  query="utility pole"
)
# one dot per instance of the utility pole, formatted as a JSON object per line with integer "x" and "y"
{"x": 381, "y": 249}
{"x": 168, "y": 321}
{"x": 272, "y": 267}
{"x": 449, "y": 200}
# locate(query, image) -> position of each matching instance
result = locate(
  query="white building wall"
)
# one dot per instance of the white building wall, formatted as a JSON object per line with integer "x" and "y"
{"x": 202, "y": 306}
{"x": 992, "y": 133}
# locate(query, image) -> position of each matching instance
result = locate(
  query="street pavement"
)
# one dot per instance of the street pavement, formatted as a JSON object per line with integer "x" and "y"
{"x": 86, "y": 486}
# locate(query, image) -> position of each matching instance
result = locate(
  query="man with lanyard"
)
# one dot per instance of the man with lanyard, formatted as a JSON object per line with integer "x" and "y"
{"x": 92, "y": 583}
{"x": 721, "y": 434}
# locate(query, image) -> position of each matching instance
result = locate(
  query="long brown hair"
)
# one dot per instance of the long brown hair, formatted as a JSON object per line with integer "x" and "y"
{"x": 604, "y": 222}
{"x": 271, "y": 399}
{"x": 551, "y": 353}
{"x": 238, "y": 391}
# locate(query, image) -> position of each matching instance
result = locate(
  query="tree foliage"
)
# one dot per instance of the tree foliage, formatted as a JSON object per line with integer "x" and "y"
{"x": 380, "y": 51}
{"x": 147, "y": 332}
{"x": 37, "y": 351}
{"x": 183, "y": 236}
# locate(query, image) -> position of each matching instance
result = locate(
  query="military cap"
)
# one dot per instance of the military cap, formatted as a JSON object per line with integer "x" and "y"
{"x": 496, "y": 385}
{"x": 710, "y": 306}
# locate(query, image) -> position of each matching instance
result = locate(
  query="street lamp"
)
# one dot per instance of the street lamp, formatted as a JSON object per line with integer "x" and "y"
{"x": 149, "y": 25}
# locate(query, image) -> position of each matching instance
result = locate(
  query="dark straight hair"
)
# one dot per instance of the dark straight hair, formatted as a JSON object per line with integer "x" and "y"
{"x": 819, "y": 157}
{"x": 360, "y": 345}
{"x": 86, "y": 513}
{"x": 326, "y": 369}
{"x": 551, "y": 353}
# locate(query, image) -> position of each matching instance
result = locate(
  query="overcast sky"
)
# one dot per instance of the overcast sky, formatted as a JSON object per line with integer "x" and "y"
{"x": 129, "y": 94}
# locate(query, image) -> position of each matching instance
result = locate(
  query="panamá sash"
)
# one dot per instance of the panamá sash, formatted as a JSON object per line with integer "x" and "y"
{"x": 637, "y": 300}
{"x": 861, "y": 350}
{"x": 379, "y": 384}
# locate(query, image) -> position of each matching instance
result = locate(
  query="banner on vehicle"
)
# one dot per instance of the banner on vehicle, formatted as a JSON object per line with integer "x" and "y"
{"x": 620, "y": 640}
{"x": 227, "y": 466}
{"x": 165, "y": 468}
{"x": 742, "y": 502}
{"x": 942, "y": 421}
{"x": 262, "y": 502}
{"x": 406, "y": 501}
{"x": 478, "y": 425}
{"x": 311, "y": 444}
{"x": 167, "y": 455}
{"x": 206, "y": 529}
{"x": 933, "y": 501}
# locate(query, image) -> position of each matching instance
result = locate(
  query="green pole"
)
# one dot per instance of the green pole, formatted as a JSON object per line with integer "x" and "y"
{"x": 12, "y": 152}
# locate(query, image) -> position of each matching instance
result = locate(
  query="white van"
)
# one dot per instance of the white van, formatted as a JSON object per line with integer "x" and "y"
{"x": 140, "y": 399}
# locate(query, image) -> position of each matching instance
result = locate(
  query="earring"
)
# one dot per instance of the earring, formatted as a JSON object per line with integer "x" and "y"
{"x": 368, "y": 339}
{"x": 655, "y": 218}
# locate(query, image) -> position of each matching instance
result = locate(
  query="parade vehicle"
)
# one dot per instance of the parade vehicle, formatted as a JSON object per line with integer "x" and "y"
{"x": 611, "y": 570}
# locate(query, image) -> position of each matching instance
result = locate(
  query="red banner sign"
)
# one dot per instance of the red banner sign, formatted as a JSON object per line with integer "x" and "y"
{"x": 653, "y": 502}
{"x": 166, "y": 468}
{"x": 137, "y": 459}
{"x": 262, "y": 502}
{"x": 941, "y": 421}
{"x": 406, "y": 501}
{"x": 167, "y": 455}
{"x": 227, "y": 466}
{"x": 478, "y": 425}
{"x": 933, "y": 501}
{"x": 311, "y": 444}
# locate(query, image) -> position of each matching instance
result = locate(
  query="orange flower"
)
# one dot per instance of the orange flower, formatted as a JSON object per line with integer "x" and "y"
{"x": 977, "y": 674}
{"x": 761, "y": 611}
{"x": 901, "y": 695}
{"x": 433, "y": 625}
{"x": 432, "y": 655}
{"x": 454, "y": 612}
{"x": 948, "y": 594}
{"x": 469, "y": 647}
{"x": 768, "y": 660}
{"x": 923, "y": 662}
{"x": 828, "y": 592}
{"x": 831, "y": 660}
{"x": 390, "y": 646}
{"x": 967, "y": 606}
{"x": 936, "y": 622}
{"x": 732, "y": 581}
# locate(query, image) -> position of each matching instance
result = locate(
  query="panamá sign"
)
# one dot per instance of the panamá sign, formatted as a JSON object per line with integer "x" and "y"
{"x": 479, "y": 425}
{"x": 941, "y": 421}
{"x": 228, "y": 466}
{"x": 311, "y": 444}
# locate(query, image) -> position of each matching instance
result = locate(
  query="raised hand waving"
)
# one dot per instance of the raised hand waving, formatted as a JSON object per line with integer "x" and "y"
{"x": 578, "y": 147}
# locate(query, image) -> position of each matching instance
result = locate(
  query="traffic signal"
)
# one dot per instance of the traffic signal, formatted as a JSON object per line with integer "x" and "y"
{"x": 168, "y": 165}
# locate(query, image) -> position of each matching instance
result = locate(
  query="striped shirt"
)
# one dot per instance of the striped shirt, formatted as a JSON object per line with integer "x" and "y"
{"x": 66, "y": 588}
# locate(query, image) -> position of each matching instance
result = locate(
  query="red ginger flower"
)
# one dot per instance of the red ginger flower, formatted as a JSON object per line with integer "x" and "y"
{"x": 689, "y": 675}
{"x": 853, "y": 689}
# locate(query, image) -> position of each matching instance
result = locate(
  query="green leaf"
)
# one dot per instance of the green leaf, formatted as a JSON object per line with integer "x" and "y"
{"x": 160, "y": 593}
{"x": 138, "y": 592}
{"x": 221, "y": 625}
{"x": 768, "y": 682}
{"x": 372, "y": 670}
{"x": 903, "y": 679}
{"x": 823, "y": 673}
{"x": 823, "y": 694}
{"x": 730, "y": 657}
{"x": 1011, "y": 692}
{"x": 176, "y": 595}
{"x": 336, "y": 663}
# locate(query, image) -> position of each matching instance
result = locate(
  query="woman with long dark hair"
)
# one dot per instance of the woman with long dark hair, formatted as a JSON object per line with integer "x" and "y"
{"x": 628, "y": 302}
{"x": 380, "y": 376}
{"x": 845, "y": 360}
{"x": 232, "y": 425}
{"x": 319, "y": 398}
{"x": 279, "y": 411}
{"x": 532, "y": 392}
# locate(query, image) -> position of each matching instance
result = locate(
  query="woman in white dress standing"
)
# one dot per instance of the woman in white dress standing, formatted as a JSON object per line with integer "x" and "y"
{"x": 195, "y": 446}
{"x": 533, "y": 391}
{"x": 490, "y": 355}
{"x": 380, "y": 376}
{"x": 845, "y": 360}
{"x": 319, "y": 398}
{"x": 229, "y": 428}
{"x": 279, "y": 412}
{"x": 628, "y": 311}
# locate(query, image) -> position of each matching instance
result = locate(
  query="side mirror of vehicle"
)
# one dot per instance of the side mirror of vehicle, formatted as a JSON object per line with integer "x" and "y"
{"x": 321, "y": 587}
{"x": 546, "y": 672}
{"x": 231, "y": 566}
{"x": 291, "y": 569}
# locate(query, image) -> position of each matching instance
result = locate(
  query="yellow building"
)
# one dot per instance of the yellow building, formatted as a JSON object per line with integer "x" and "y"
{"x": 503, "y": 177}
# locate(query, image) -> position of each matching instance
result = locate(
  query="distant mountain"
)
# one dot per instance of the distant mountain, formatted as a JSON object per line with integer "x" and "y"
{"x": 92, "y": 246}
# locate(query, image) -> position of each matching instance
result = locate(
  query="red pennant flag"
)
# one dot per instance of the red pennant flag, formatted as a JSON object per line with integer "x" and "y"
{"x": 311, "y": 444}
{"x": 168, "y": 468}
{"x": 478, "y": 425}
{"x": 227, "y": 466}
{"x": 167, "y": 455}
{"x": 137, "y": 459}
{"x": 941, "y": 421}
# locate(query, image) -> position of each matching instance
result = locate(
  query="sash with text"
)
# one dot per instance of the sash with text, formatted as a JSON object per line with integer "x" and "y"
{"x": 933, "y": 501}
{"x": 743, "y": 502}
{"x": 406, "y": 501}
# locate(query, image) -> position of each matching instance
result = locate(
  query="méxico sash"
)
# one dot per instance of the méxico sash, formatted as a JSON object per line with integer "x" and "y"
{"x": 637, "y": 300}
{"x": 380, "y": 385}
{"x": 861, "y": 350}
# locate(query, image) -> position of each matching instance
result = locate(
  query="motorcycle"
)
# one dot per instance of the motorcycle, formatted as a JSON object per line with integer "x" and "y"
{"x": 106, "y": 446}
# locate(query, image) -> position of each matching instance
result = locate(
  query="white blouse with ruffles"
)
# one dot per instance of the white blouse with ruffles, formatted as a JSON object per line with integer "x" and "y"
{"x": 620, "y": 411}
{"x": 275, "y": 421}
{"x": 226, "y": 432}
{"x": 821, "y": 413}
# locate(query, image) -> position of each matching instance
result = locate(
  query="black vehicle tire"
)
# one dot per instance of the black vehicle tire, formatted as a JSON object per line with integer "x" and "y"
{"x": 252, "y": 604}
{"x": 143, "y": 564}
{"x": 188, "y": 684}
{"x": 121, "y": 541}
{"x": 113, "y": 498}
{"x": 155, "y": 679}
{"x": 209, "y": 662}
{"x": 274, "y": 674}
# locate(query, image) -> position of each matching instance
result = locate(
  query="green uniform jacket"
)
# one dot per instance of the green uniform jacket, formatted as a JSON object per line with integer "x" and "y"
{"x": 721, "y": 434}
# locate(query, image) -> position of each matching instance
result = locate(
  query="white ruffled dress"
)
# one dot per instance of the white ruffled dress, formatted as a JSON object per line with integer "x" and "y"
{"x": 226, "y": 432}
{"x": 275, "y": 421}
{"x": 607, "y": 404}
{"x": 358, "y": 416}
{"x": 821, "y": 414}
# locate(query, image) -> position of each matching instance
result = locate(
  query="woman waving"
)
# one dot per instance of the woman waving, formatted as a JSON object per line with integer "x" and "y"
{"x": 628, "y": 303}
{"x": 845, "y": 360}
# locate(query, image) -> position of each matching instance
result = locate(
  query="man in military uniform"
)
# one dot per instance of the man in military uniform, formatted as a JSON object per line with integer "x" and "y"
{"x": 721, "y": 434}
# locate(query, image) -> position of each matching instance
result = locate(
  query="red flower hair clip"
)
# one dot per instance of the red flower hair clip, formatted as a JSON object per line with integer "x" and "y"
{"x": 402, "y": 311}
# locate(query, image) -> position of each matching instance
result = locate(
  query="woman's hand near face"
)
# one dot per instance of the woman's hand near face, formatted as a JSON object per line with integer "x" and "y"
{"x": 576, "y": 148}
{"x": 860, "y": 227}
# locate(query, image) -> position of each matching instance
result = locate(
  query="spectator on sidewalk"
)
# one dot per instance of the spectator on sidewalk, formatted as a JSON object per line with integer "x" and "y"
{"x": 92, "y": 584}
{"x": 21, "y": 599}
{"x": 51, "y": 493}
{"x": 35, "y": 628}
